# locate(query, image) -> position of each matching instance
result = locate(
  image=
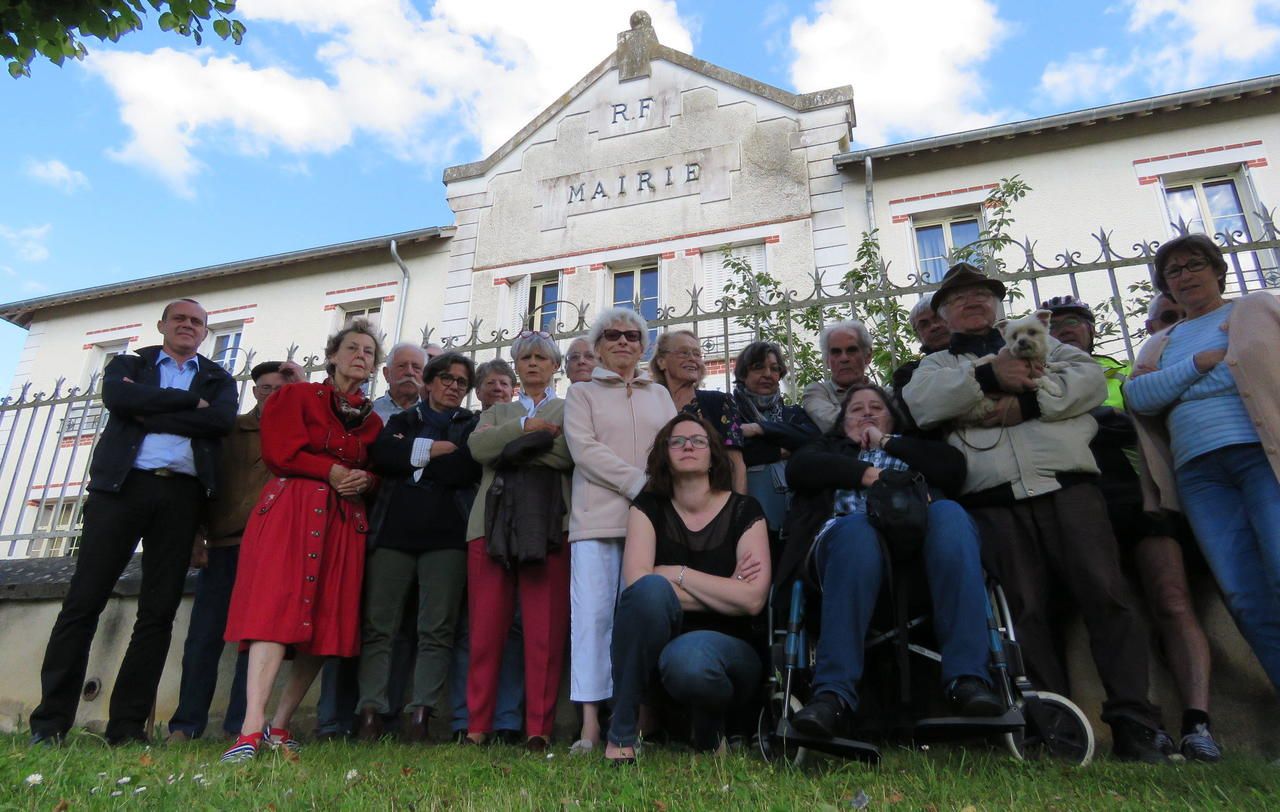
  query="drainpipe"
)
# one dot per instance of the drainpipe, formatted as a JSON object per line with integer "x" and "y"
{"x": 404, "y": 291}
{"x": 871, "y": 197}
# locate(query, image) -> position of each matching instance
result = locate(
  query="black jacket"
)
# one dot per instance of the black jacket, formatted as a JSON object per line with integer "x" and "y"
{"x": 829, "y": 463}
{"x": 143, "y": 407}
{"x": 429, "y": 513}
{"x": 790, "y": 433}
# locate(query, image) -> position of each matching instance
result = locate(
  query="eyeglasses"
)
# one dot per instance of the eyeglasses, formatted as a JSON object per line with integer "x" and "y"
{"x": 531, "y": 333}
{"x": 1193, "y": 265}
{"x": 613, "y": 335}
{"x": 678, "y": 441}
{"x": 685, "y": 355}
{"x": 453, "y": 380}
{"x": 575, "y": 357}
{"x": 1066, "y": 321}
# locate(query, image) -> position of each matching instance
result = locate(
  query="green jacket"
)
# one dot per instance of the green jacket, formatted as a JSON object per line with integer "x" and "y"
{"x": 1117, "y": 374}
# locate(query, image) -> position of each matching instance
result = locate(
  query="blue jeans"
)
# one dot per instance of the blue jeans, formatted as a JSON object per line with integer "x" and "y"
{"x": 707, "y": 672}
{"x": 203, "y": 650}
{"x": 1232, "y": 499}
{"x": 509, "y": 709}
{"x": 851, "y": 568}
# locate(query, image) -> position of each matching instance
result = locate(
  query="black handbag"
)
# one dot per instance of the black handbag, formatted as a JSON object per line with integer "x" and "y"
{"x": 898, "y": 506}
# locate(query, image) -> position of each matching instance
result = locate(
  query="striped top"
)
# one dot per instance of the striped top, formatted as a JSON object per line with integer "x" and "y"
{"x": 1208, "y": 412}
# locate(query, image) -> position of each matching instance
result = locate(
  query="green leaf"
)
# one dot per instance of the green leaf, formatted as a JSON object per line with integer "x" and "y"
{"x": 16, "y": 70}
{"x": 222, "y": 28}
{"x": 168, "y": 21}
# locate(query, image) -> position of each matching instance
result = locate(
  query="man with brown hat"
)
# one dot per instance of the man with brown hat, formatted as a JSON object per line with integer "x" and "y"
{"x": 1030, "y": 489}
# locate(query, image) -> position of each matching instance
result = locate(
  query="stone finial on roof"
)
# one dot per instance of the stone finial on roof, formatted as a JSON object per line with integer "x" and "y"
{"x": 635, "y": 47}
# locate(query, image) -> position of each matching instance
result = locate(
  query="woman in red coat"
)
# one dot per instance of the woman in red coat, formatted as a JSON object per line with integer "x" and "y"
{"x": 302, "y": 558}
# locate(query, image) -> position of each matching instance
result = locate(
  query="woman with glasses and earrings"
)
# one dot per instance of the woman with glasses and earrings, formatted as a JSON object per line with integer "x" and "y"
{"x": 419, "y": 538}
{"x": 517, "y": 544}
{"x": 771, "y": 428}
{"x": 302, "y": 555}
{"x": 610, "y": 422}
{"x": 677, "y": 364}
{"x": 696, "y": 569}
{"x": 1207, "y": 395}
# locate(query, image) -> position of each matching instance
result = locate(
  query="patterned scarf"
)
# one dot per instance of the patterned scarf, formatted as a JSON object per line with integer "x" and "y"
{"x": 758, "y": 407}
{"x": 351, "y": 410}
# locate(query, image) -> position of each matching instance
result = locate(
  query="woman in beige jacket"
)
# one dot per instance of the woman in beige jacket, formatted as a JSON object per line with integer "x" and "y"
{"x": 610, "y": 422}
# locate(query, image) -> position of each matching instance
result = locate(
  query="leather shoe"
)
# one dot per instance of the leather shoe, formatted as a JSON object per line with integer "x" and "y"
{"x": 369, "y": 727}
{"x": 415, "y": 732}
{"x": 537, "y": 744}
{"x": 970, "y": 696}
{"x": 825, "y": 716}
{"x": 1132, "y": 740}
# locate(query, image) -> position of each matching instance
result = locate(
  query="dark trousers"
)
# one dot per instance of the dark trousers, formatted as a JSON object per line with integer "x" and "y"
{"x": 164, "y": 512}
{"x": 339, "y": 692}
{"x": 1057, "y": 546}
{"x": 203, "y": 650}
{"x": 709, "y": 673}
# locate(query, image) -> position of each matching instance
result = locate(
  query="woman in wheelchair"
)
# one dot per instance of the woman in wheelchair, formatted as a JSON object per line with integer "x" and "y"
{"x": 831, "y": 477}
{"x": 696, "y": 566}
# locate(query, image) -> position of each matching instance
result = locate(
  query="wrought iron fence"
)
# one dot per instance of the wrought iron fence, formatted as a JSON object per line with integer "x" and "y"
{"x": 46, "y": 440}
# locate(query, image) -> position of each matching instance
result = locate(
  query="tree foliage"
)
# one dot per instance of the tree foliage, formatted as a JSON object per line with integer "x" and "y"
{"x": 867, "y": 295}
{"x": 55, "y": 29}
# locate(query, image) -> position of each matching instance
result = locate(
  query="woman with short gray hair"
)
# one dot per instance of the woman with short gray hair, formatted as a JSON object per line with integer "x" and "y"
{"x": 610, "y": 422}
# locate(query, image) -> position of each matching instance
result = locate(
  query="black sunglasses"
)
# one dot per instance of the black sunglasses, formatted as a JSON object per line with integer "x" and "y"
{"x": 613, "y": 335}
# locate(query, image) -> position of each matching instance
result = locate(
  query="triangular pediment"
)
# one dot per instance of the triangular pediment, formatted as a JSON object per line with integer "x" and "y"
{"x": 637, "y": 50}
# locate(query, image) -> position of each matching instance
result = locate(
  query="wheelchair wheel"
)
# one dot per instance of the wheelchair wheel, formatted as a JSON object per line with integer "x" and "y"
{"x": 774, "y": 748}
{"x": 1055, "y": 728}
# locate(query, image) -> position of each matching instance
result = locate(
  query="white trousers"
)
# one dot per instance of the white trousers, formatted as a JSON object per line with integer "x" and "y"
{"x": 595, "y": 578}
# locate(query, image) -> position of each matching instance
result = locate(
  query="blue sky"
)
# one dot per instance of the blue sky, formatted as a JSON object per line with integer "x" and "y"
{"x": 334, "y": 120}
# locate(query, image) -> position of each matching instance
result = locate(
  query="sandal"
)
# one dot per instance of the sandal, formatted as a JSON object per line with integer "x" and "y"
{"x": 621, "y": 761}
{"x": 244, "y": 748}
{"x": 277, "y": 737}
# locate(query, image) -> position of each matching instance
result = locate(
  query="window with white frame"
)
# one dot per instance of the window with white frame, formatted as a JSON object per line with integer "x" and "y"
{"x": 226, "y": 346}
{"x": 637, "y": 288}
{"x": 717, "y": 273}
{"x": 66, "y": 510}
{"x": 1215, "y": 205}
{"x": 370, "y": 311}
{"x": 541, "y": 303}
{"x": 938, "y": 238}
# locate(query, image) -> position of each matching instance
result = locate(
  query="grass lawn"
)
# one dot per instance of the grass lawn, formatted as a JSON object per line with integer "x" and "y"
{"x": 85, "y": 774}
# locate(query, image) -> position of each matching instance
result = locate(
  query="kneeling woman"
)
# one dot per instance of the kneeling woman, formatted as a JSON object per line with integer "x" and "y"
{"x": 830, "y": 477}
{"x": 696, "y": 565}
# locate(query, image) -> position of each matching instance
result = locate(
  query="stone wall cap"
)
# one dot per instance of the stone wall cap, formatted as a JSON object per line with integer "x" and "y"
{"x": 34, "y": 579}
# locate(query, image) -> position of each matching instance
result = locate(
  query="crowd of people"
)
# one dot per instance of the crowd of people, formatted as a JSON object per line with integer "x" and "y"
{"x": 437, "y": 563}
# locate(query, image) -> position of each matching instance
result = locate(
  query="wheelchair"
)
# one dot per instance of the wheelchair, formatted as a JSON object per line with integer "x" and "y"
{"x": 899, "y": 699}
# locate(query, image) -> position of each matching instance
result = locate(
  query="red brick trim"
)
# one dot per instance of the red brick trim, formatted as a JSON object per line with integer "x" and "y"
{"x": 642, "y": 243}
{"x": 1147, "y": 180}
{"x": 932, "y": 195}
{"x": 597, "y": 266}
{"x": 667, "y": 255}
{"x": 331, "y": 307}
{"x": 111, "y": 329}
{"x": 693, "y": 252}
{"x": 388, "y": 298}
{"x": 499, "y": 281}
{"x": 1191, "y": 152}
{"x": 67, "y": 442}
{"x": 773, "y": 239}
{"x": 1256, "y": 163}
{"x": 569, "y": 271}
{"x": 361, "y": 287}
{"x": 231, "y": 309}
{"x": 248, "y": 320}
{"x": 901, "y": 218}
{"x": 52, "y": 485}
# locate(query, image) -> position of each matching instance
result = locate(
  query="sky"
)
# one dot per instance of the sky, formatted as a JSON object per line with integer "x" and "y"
{"x": 335, "y": 119}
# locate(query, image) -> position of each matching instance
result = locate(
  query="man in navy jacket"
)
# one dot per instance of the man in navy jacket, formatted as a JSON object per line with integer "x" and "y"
{"x": 152, "y": 472}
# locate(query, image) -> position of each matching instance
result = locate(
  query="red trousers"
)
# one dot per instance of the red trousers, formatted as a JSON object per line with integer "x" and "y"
{"x": 544, "y": 612}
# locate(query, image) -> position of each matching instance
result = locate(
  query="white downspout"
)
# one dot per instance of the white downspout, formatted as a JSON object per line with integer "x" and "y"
{"x": 404, "y": 292}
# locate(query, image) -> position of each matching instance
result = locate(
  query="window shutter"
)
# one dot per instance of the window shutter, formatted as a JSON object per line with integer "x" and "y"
{"x": 715, "y": 279}
{"x": 519, "y": 302}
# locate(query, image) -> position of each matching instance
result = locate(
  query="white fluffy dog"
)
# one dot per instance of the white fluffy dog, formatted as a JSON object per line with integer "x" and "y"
{"x": 1026, "y": 338}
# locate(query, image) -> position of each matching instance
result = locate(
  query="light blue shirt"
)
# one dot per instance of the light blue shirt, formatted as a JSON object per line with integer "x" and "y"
{"x": 1207, "y": 412}
{"x": 531, "y": 408}
{"x": 172, "y": 451}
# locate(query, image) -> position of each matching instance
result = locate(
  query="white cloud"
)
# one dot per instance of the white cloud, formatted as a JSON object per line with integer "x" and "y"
{"x": 1176, "y": 44}
{"x": 57, "y": 174}
{"x": 914, "y": 70}
{"x": 422, "y": 85}
{"x": 28, "y": 242}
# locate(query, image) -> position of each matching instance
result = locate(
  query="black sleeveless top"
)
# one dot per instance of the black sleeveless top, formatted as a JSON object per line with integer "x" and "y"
{"x": 713, "y": 550}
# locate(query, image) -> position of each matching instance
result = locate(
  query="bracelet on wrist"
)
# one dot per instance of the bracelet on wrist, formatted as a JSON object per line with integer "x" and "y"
{"x": 680, "y": 577}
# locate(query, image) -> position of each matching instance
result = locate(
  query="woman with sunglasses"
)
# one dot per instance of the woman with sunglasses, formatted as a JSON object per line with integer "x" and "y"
{"x": 419, "y": 538}
{"x": 677, "y": 364}
{"x": 696, "y": 569}
{"x": 1207, "y": 395}
{"x": 610, "y": 422}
